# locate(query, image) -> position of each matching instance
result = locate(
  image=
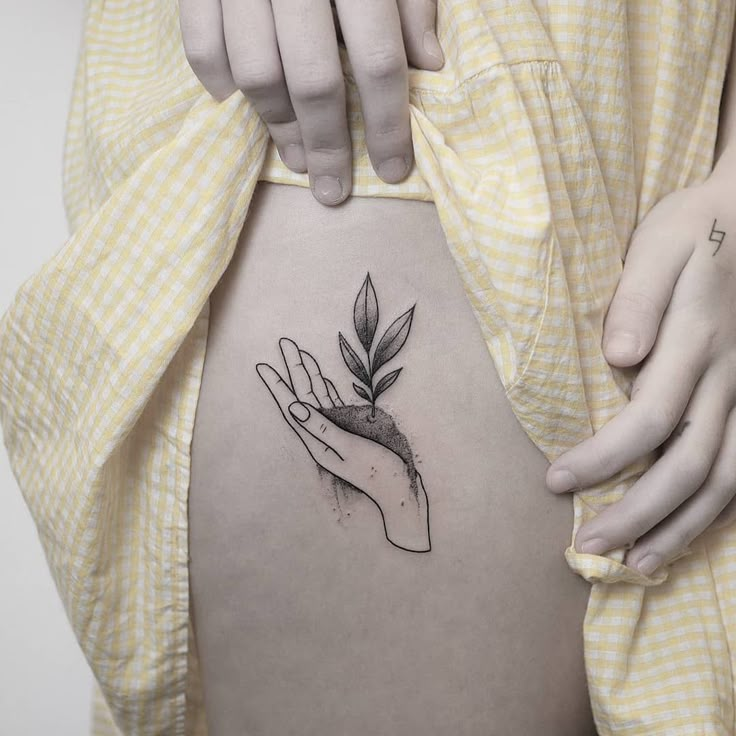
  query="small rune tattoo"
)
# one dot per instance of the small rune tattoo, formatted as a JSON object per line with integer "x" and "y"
{"x": 359, "y": 447}
{"x": 713, "y": 232}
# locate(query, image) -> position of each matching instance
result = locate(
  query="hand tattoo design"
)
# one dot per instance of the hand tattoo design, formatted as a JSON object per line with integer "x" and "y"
{"x": 358, "y": 445}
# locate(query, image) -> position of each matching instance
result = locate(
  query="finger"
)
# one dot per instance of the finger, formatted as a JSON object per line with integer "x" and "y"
{"x": 311, "y": 62}
{"x": 253, "y": 52}
{"x": 280, "y": 389}
{"x": 320, "y": 452}
{"x": 333, "y": 393}
{"x": 319, "y": 387}
{"x": 653, "y": 265}
{"x": 203, "y": 39}
{"x": 372, "y": 33}
{"x": 697, "y": 514}
{"x": 661, "y": 393}
{"x": 675, "y": 477}
{"x": 418, "y": 19}
{"x": 297, "y": 372}
{"x": 321, "y": 428}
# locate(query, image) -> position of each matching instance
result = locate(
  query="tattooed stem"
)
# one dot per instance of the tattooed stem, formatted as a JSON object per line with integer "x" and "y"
{"x": 371, "y": 387}
{"x": 365, "y": 319}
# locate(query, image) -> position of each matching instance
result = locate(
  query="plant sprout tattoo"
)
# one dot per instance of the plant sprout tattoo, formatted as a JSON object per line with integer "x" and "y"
{"x": 358, "y": 446}
{"x": 713, "y": 232}
{"x": 365, "y": 317}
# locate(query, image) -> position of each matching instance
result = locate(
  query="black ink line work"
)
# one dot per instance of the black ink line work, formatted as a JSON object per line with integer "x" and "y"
{"x": 358, "y": 445}
{"x": 365, "y": 318}
{"x": 713, "y": 231}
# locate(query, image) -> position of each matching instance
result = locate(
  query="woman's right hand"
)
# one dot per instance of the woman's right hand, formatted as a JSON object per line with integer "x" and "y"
{"x": 283, "y": 55}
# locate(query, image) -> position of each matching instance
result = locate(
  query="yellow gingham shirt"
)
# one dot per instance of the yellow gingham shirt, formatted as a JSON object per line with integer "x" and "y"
{"x": 552, "y": 130}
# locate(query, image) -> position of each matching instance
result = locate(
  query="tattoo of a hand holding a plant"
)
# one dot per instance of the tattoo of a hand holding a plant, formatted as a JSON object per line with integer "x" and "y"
{"x": 358, "y": 445}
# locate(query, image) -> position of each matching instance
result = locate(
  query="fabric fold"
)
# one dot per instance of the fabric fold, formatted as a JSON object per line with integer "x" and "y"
{"x": 549, "y": 134}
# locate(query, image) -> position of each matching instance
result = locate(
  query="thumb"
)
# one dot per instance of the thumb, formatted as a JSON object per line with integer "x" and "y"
{"x": 652, "y": 266}
{"x": 321, "y": 428}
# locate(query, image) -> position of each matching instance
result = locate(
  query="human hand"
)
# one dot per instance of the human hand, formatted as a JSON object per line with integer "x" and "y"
{"x": 366, "y": 464}
{"x": 677, "y": 293}
{"x": 283, "y": 55}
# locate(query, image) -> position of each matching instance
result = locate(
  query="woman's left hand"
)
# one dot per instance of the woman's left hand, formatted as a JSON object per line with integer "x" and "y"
{"x": 675, "y": 305}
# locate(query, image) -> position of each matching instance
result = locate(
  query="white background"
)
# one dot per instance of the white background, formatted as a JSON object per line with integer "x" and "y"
{"x": 45, "y": 681}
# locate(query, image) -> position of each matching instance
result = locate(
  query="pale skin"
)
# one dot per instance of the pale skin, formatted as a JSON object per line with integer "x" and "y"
{"x": 308, "y": 621}
{"x": 367, "y": 465}
{"x": 677, "y": 301}
{"x": 283, "y": 56}
{"x": 676, "y": 298}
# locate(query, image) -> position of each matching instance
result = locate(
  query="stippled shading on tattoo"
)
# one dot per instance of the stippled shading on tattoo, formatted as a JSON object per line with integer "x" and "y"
{"x": 357, "y": 447}
{"x": 721, "y": 235}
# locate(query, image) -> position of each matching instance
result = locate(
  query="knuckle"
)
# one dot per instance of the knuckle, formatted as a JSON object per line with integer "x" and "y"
{"x": 393, "y": 131}
{"x": 254, "y": 79}
{"x": 202, "y": 54}
{"x": 327, "y": 155}
{"x": 634, "y": 525}
{"x": 693, "y": 466}
{"x": 604, "y": 461}
{"x": 318, "y": 88}
{"x": 636, "y": 303}
{"x": 650, "y": 549}
{"x": 678, "y": 538}
{"x": 385, "y": 63}
{"x": 658, "y": 422}
{"x": 704, "y": 333}
{"x": 681, "y": 538}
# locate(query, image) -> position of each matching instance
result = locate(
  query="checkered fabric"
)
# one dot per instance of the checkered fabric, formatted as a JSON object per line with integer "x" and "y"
{"x": 551, "y": 131}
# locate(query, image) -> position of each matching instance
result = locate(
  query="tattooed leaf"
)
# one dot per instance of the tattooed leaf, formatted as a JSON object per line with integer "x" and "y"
{"x": 361, "y": 392}
{"x": 365, "y": 313}
{"x": 352, "y": 361}
{"x": 393, "y": 339}
{"x": 385, "y": 382}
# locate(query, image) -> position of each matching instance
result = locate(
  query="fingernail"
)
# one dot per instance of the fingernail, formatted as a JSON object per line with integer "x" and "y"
{"x": 649, "y": 563}
{"x": 293, "y": 156}
{"x": 299, "y": 411}
{"x": 432, "y": 46}
{"x": 394, "y": 169}
{"x": 595, "y": 546}
{"x": 622, "y": 342}
{"x": 561, "y": 480}
{"x": 328, "y": 189}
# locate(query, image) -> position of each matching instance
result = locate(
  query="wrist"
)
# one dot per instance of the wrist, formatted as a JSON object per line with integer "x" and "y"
{"x": 405, "y": 515}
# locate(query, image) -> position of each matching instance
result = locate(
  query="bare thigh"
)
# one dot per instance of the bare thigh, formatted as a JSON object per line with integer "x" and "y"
{"x": 343, "y": 585}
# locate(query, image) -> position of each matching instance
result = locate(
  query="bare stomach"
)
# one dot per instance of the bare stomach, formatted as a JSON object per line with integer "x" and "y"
{"x": 373, "y": 553}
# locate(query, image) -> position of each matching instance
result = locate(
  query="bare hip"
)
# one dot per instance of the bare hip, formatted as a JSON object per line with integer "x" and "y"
{"x": 391, "y": 562}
